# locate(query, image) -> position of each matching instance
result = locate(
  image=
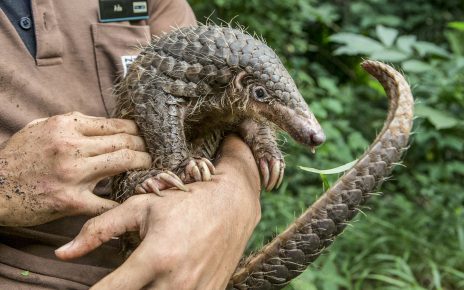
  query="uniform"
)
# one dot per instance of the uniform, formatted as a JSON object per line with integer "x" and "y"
{"x": 72, "y": 67}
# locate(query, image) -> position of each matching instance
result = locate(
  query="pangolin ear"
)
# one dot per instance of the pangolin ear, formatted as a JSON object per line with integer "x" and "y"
{"x": 238, "y": 80}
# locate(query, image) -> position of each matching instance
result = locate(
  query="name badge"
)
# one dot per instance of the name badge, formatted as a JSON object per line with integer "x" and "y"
{"x": 122, "y": 10}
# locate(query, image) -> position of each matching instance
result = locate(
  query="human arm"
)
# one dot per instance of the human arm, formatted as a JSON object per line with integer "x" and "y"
{"x": 191, "y": 240}
{"x": 49, "y": 169}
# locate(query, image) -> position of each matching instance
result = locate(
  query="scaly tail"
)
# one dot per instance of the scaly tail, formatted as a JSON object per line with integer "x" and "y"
{"x": 288, "y": 255}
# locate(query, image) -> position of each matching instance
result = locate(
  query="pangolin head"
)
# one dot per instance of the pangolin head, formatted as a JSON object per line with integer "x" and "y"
{"x": 271, "y": 92}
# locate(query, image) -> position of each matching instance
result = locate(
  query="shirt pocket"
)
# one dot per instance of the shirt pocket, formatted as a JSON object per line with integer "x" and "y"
{"x": 116, "y": 46}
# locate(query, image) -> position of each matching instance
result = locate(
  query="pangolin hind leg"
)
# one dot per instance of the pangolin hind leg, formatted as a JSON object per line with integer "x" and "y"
{"x": 262, "y": 141}
{"x": 200, "y": 167}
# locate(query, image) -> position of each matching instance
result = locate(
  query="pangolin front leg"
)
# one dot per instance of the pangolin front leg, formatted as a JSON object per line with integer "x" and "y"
{"x": 160, "y": 116}
{"x": 262, "y": 141}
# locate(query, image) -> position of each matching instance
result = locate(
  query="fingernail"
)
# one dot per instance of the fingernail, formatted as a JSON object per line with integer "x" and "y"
{"x": 65, "y": 247}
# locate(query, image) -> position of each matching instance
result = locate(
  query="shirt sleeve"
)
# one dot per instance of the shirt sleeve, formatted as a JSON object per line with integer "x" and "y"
{"x": 168, "y": 14}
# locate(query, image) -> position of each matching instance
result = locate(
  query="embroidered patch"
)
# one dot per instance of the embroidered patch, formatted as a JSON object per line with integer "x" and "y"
{"x": 127, "y": 60}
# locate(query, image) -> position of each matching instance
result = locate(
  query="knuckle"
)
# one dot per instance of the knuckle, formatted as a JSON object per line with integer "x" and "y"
{"x": 115, "y": 124}
{"x": 76, "y": 113}
{"x": 128, "y": 154}
{"x": 64, "y": 202}
{"x": 65, "y": 170}
{"x": 124, "y": 125}
{"x": 60, "y": 121}
{"x": 60, "y": 145}
{"x": 60, "y": 203}
{"x": 128, "y": 140}
{"x": 89, "y": 227}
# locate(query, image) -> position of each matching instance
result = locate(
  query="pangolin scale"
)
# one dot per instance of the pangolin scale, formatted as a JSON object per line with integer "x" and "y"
{"x": 191, "y": 86}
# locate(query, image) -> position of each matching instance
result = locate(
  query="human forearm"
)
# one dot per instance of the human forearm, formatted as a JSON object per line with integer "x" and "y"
{"x": 190, "y": 240}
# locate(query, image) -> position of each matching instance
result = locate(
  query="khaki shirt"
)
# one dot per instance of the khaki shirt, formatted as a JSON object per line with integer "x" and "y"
{"x": 78, "y": 60}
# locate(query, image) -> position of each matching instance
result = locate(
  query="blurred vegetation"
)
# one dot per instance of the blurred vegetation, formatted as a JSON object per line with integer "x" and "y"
{"x": 413, "y": 235}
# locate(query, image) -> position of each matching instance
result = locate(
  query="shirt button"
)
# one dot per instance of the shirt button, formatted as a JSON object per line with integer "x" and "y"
{"x": 25, "y": 23}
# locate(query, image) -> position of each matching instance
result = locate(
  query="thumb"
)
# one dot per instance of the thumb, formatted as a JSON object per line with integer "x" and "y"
{"x": 101, "y": 229}
{"x": 95, "y": 205}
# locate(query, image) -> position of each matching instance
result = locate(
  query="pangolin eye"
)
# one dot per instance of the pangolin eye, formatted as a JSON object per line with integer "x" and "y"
{"x": 260, "y": 93}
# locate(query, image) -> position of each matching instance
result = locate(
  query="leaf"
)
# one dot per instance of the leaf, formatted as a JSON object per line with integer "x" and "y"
{"x": 355, "y": 44}
{"x": 335, "y": 170}
{"x": 325, "y": 182}
{"x": 458, "y": 25}
{"x": 386, "y": 35}
{"x": 333, "y": 105}
{"x": 405, "y": 43}
{"x": 456, "y": 42}
{"x": 25, "y": 273}
{"x": 439, "y": 119}
{"x": 416, "y": 66}
{"x": 425, "y": 48}
{"x": 389, "y": 55}
{"x": 328, "y": 84}
{"x": 389, "y": 280}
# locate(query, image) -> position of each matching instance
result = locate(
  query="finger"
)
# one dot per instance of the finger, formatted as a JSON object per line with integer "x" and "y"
{"x": 94, "y": 205}
{"x": 100, "y": 127}
{"x": 96, "y": 145}
{"x": 99, "y": 230}
{"x": 79, "y": 114}
{"x": 132, "y": 274}
{"x": 36, "y": 121}
{"x": 116, "y": 162}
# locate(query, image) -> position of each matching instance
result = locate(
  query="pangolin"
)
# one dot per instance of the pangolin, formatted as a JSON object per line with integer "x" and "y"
{"x": 189, "y": 87}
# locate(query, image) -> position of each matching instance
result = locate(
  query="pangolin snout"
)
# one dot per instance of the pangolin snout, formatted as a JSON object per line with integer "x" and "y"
{"x": 301, "y": 123}
{"x": 306, "y": 132}
{"x": 317, "y": 138}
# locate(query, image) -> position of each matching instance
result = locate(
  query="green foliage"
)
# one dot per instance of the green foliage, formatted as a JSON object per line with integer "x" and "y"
{"x": 413, "y": 236}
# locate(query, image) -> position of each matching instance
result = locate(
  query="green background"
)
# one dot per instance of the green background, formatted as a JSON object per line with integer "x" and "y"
{"x": 412, "y": 236}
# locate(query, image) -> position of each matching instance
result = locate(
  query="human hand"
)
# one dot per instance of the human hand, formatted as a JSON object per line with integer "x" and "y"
{"x": 49, "y": 169}
{"x": 190, "y": 240}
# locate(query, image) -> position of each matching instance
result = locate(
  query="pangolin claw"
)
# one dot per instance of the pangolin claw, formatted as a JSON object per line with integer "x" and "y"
{"x": 172, "y": 179}
{"x": 198, "y": 169}
{"x": 151, "y": 184}
{"x": 272, "y": 172}
{"x": 159, "y": 182}
{"x": 275, "y": 171}
{"x": 264, "y": 168}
